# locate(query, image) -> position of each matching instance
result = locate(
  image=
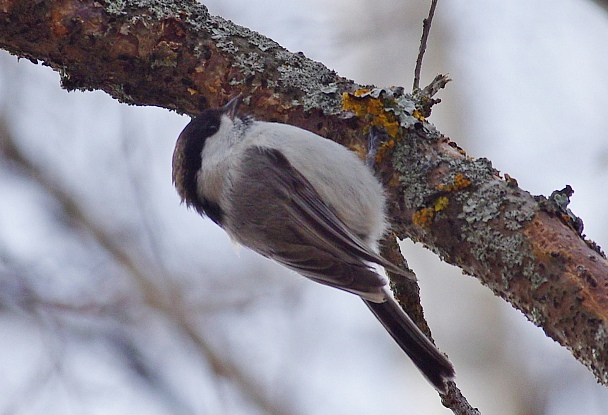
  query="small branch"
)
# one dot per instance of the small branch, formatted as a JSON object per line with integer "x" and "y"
{"x": 426, "y": 30}
{"x": 456, "y": 401}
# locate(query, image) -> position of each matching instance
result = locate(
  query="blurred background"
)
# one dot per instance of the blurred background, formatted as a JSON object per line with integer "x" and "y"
{"x": 114, "y": 299}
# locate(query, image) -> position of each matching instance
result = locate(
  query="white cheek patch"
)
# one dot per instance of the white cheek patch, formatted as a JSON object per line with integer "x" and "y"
{"x": 215, "y": 168}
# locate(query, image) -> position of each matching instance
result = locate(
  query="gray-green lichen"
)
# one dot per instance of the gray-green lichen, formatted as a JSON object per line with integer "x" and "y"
{"x": 491, "y": 209}
{"x": 488, "y": 245}
{"x": 561, "y": 199}
{"x": 225, "y": 44}
{"x": 118, "y": 91}
{"x": 314, "y": 79}
{"x": 536, "y": 279}
{"x": 293, "y": 71}
{"x": 601, "y": 335}
{"x": 537, "y": 316}
{"x": 159, "y": 9}
{"x": 517, "y": 217}
{"x": 494, "y": 199}
{"x": 226, "y": 31}
{"x": 483, "y": 211}
{"x": 249, "y": 64}
{"x": 412, "y": 171}
{"x": 483, "y": 205}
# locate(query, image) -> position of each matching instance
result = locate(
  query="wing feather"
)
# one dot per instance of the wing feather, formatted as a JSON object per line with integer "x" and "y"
{"x": 314, "y": 240}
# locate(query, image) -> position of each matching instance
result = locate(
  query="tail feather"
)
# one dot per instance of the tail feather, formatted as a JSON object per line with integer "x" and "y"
{"x": 433, "y": 364}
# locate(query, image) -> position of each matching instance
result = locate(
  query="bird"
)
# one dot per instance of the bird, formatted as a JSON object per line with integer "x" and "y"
{"x": 303, "y": 201}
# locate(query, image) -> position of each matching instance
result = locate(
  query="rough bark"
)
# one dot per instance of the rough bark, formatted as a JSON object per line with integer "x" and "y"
{"x": 528, "y": 250}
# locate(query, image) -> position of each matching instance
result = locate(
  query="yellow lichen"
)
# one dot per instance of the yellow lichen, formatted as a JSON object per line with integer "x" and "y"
{"x": 441, "y": 203}
{"x": 387, "y": 120}
{"x": 418, "y": 115}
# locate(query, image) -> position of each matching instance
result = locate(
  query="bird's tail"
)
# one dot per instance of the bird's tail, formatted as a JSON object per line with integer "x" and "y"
{"x": 433, "y": 364}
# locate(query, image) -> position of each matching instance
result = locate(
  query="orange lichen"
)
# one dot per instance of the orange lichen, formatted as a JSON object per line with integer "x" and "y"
{"x": 389, "y": 144}
{"x": 511, "y": 180}
{"x": 460, "y": 182}
{"x": 423, "y": 217}
{"x": 372, "y": 109}
{"x": 360, "y": 92}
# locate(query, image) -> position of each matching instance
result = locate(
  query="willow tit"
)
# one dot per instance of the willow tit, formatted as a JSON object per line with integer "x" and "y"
{"x": 304, "y": 201}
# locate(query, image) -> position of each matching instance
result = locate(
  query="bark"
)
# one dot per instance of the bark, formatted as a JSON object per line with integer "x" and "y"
{"x": 528, "y": 250}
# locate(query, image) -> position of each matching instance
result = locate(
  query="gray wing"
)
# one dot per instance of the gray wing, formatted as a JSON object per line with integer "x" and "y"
{"x": 299, "y": 230}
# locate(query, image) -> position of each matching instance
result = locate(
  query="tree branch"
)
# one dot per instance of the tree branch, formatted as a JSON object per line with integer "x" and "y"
{"x": 527, "y": 249}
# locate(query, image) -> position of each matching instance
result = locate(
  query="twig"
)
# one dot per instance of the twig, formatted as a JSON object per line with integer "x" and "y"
{"x": 457, "y": 402}
{"x": 426, "y": 30}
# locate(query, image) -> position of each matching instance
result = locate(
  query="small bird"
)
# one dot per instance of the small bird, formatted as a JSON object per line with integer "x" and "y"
{"x": 303, "y": 201}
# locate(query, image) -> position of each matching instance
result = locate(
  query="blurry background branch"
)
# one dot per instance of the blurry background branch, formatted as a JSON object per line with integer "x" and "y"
{"x": 176, "y": 56}
{"x": 162, "y": 299}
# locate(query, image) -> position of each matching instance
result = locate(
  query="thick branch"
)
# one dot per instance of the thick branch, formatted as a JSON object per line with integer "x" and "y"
{"x": 527, "y": 249}
{"x": 175, "y": 55}
{"x": 171, "y": 54}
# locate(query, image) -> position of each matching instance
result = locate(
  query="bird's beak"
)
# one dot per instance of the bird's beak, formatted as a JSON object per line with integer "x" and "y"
{"x": 232, "y": 106}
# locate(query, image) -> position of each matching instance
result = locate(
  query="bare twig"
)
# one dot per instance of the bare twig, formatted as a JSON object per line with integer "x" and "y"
{"x": 426, "y": 30}
{"x": 457, "y": 402}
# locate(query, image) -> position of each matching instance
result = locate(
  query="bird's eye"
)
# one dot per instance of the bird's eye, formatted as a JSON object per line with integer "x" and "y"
{"x": 212, "y": 128}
